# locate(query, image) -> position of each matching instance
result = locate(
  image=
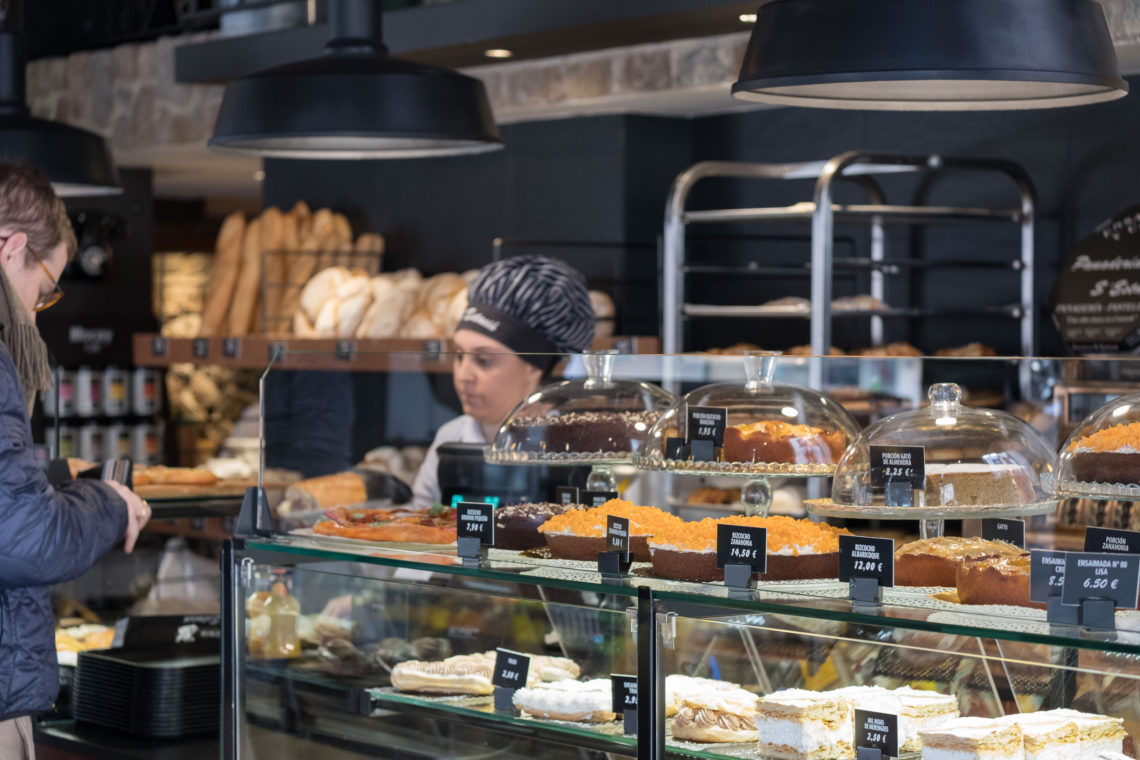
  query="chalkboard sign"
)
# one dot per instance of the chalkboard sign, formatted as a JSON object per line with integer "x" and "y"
{"x": 617, "y": 536}
{"x": 476, "y": 520}
{"x": 1004, "y": 529}
{"x": 742, "y": 545}
{"x": 1103, "y": 576}
{"x": 511, "y": 669}
{"x": 867, "y": 557}
{"x": 877, "y": 730}
{"x": 1046, "y": 574}
{"x": 898, "y": 471}
{"x": 1096, "y": 302}
{"x": 1112, "y": 541}
{"x": 566, "y": 495}
{"x": 624, "y": 689}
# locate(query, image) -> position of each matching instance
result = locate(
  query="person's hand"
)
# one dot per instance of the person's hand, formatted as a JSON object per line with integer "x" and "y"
{"x": 138, "y": 512}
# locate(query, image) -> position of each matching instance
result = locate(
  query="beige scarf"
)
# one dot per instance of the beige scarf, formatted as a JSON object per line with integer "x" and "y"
{"x": 28, "y": 350}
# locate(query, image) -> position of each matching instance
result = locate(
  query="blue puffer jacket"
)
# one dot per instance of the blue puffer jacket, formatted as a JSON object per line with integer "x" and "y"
{"x": 46, "y": 536}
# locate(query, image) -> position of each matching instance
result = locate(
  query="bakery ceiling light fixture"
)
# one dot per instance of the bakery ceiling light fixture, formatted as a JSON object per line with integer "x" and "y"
{"x": 77, "y": 162}
{"x": 498, "y": 53}
{"x": 354, "y": 101}
{"x": 930, "y": 55}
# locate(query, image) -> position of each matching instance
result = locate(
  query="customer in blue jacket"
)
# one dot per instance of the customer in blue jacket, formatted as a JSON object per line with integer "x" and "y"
{"x": 46, "y": 535}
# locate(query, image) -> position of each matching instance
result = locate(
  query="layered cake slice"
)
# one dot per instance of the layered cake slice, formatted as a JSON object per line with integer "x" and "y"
{"x": 716, "y": 715}
{"x": 1047, "y": 736}
{"x": 1111, "y": 455}
{"x": 1099, "y": 733}
{"x": 679, "y": 687}
{"x": 795, "y": 724}
{"x": 973, "y": 739}
{"x": 782, "y": 442}
{"x": 796, "y": 549}
{"x": 917, "y": 710}
{"x": 578, "y": 701}
{"x": 996, "y": 580}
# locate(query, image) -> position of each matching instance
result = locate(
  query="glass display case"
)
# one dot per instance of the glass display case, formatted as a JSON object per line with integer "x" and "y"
{"x": 346, "y": 647}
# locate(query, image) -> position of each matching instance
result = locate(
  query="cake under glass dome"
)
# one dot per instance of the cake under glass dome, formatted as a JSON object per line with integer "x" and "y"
{"x": 1101, "y": 459}
{"x": 944, "y": 461}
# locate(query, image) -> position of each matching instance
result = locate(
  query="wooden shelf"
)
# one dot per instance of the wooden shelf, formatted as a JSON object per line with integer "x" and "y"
{"x": 327, "y": 354}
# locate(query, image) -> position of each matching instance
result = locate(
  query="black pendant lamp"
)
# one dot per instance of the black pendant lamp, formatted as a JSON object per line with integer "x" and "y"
{"x": 354, "y": 101}
{"x": 930, "y": 55}
{"x": 76, "y": 161}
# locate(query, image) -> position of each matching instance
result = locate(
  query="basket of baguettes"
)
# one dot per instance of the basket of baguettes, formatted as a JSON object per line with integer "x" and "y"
{"x": 302, "y": 272}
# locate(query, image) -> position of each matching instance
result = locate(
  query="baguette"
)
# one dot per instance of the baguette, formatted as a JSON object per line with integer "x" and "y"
{"x": 277, "y": 231}
{"x": 370, "y": 246}
{"x": 277, "y": 266}
{"x": 303, "y": 216}
{"x": 227, "y": 264}
{"x": 245, "y": 292}
{"x": 300, "y": 272}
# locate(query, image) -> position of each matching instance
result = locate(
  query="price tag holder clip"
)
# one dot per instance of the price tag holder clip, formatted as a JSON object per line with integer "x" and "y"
{"x": 1059, "y": 613}
{"x": 504, "y": 700}
{"x": 868, "y": 753}
{"x": 1098, "y": 613}
{"x": 612, "y": 564}
{"x": 865, "y": 591}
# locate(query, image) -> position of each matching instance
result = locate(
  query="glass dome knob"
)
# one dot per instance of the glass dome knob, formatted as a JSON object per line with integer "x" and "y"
{"x": 599, "y": 368}
{"x": 759, "y": 368}
{"x": 945, "y": 399}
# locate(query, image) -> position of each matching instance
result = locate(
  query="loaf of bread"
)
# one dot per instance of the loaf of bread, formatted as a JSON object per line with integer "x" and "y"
{"x": 227, "y": 265}
{"x": 244, "y": 300}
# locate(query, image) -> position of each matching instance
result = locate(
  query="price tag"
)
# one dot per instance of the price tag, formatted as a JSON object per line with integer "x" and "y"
{"x": 742, "y": 545}
{"x": 1101, "y": 576}
{"x": 344, "y": 350}
{"x": 706, "y": 423}
{"x": 566, "y": 495}
{"x": 624, "y": 692}
{"x": 898, "y": 471}
{"x": 511, "y": 669}
{"x": 158, "y": 346}
{"x": 1046, "y": 574}
{"x": 201, "y": 348}
{"x": 476, "y": 520}
{"x": 596, "y": 498}
{"x": 866, "y": 557}
{"x": 617, "y": 536}
{"x": 1004, "y": 529}
{"x": 876, "y": 730}
{"x": 231, "y": 348}
{"x": 1112, "y": 541}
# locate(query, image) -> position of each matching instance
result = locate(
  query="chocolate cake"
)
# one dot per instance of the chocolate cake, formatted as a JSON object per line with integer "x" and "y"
{"x": 1111, "y": 455}
{"x": 687, "y": 565}
{"x": 583, "y": 432}
{"x": 777, "y": 441}
{"x": 516, "y": 526}
{"x": 978, "y": 484}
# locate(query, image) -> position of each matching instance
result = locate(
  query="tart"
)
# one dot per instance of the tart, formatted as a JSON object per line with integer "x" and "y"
{"x": 1111, "y": 455}
{"x": 782, "y": 442}
{"x": 581, "y": 534}
{"x": 935, "y": 561}
{"x": 434, "y": 527}
{"x": 796, "y": 549}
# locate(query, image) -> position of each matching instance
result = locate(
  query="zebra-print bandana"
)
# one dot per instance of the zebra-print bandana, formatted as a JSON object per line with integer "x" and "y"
{"x": 532, "y": 305}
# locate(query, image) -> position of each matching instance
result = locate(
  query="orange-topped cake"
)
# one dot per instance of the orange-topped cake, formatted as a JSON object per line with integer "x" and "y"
{"x": 782, "y": 442}
{"x": 1111, "y": 455}
{"x": 581, "y": 534}
{"x": 796, "y": 549}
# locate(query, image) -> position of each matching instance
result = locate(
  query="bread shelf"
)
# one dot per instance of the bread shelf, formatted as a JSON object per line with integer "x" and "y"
{"x": 328, "y": 354}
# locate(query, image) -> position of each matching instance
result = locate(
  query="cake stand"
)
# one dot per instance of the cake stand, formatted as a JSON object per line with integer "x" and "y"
{"x": 975, "y": 463}
{"x": 1101, "y": 459}
{"x": 810, "y": 418}
{"x": 559, "y": 425}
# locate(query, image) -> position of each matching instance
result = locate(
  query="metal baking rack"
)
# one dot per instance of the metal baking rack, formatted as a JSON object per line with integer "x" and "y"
{"x": 822, "y": 212}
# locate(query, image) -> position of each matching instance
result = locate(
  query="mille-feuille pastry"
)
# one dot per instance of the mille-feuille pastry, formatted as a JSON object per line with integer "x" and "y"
{"x": 716, "y": 715}
{"x": 973, "y": 739}
{"x": 678, "y": 687}
{"x": 796, "y": 724}
{"x": 917, "y": 710}
{"x": 1046, "y": 736}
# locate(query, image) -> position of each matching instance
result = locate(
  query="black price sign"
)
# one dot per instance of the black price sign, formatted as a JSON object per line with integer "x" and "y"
{"x": 624, "y": 692}
{"x": 511, "y": 669}
{"x": 1101, "y": 576}
{"x": 742, "y": 545}
{"x": 866, "y": 557}
{"x": 597, "y": 498}
{"x": 566, "y": 495}
{"x": 898, "y": 470}
{"x": 158, "y": 346}
{"x": 344, "y": 350}
{"x": 201, "y": 348}
{"x": 876, "y": 730}
{"x": 186, "y": 633}
{"x": 706, "y": 423}
{"x": 231, "y": 348}
{"x": 1046, "y": 574}
{"x": 476, "y": 520}
{"x": 617, "y": 536}
{"x": 1112, "y": 541}
{"x": 1004, "y": 529}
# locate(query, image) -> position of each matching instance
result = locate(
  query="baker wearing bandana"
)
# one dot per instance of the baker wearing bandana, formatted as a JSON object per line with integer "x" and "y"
{"x": 523, "y": 312}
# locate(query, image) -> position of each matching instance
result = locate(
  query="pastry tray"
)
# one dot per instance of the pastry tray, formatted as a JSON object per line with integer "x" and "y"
{"x": 828, "y": 508}
{"x": 1078, "y": 489}
{"x": 557, "y": 458}
{"x": 740, "y": 469}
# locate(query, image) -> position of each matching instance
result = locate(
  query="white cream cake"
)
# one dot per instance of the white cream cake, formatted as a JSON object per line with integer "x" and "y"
{"x": 796, "y": 724}
{"x": 580, "y": 701}
{"x": 973, "y": 739}
{"x": 716, "y": 715}
{"x": 1099, "y": 733}
{"x": 678, "y": 687}
{"x": 917, "y": 710}
{"x": 1047, "y": 736}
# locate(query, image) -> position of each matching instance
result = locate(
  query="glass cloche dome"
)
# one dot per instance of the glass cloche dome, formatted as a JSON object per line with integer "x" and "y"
{"x": 1101, "y": 459}
{"x": 596, "y": 420}
{"x": 946, "y": 460}
{"x": 770, "y": 429}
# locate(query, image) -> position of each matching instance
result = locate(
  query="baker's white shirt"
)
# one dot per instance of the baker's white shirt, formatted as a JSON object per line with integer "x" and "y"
{"x": 462, "y": 429}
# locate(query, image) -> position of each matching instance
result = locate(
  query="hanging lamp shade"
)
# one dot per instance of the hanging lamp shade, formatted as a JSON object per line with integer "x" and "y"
{"x": 930, "y": 55}
{"x": 76, "y": 161}
{"x": 354, "y": 101}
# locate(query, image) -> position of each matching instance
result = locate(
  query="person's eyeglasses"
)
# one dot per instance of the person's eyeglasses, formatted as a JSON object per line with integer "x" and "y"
{"x": 51, "y": 298}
